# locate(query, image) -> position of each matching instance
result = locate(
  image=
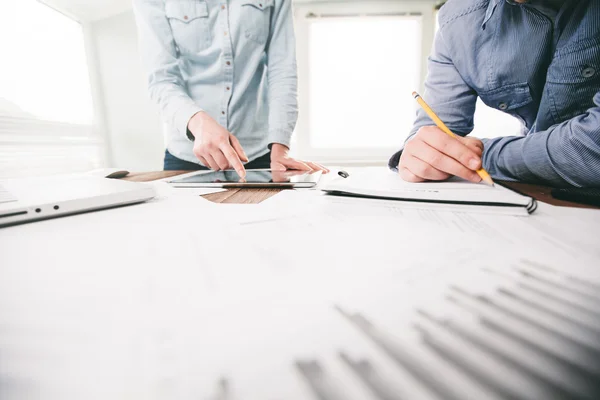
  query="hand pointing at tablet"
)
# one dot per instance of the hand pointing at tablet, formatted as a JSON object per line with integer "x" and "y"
{"x": 215, "y": 147}
{"x": 218, "y": 149}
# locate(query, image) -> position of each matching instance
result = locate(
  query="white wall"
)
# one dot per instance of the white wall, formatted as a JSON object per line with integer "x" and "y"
{"x": 134, "y": 128}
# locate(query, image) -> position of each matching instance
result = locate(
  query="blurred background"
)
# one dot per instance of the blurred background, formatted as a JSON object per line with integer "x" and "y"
{"x": 73, "y": 94}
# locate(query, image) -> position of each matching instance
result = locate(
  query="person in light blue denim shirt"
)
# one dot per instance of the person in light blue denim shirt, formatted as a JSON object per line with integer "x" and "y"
{"x": 537, "y": 60}
{"x": 223, "y": 73}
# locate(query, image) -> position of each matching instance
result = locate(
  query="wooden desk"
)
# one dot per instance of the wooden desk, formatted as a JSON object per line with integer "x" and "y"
{"x": 231, "y": 196}
{"x": 255, "y": 196}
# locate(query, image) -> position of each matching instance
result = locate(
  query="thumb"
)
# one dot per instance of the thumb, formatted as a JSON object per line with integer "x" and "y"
{"x": 276, "y": 166}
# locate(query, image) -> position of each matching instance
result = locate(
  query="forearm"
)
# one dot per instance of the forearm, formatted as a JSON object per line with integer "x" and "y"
{"x": 282, "y": 76}
{"x": 175, "y": 105}
{"x": 567, "y": 154}
{"x": 452, "y": 99}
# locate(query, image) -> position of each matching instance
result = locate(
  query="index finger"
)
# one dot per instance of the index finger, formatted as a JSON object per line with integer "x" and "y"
{"x": 233, "y": 159}
{"x": 453, "y": 148}
{"x": 235, "y": 143}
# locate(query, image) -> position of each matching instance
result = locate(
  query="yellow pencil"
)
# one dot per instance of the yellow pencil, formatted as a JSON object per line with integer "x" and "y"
{"x": 485, "y": 176}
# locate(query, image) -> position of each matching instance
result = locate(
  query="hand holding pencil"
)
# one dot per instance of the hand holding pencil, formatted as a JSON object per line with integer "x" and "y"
{"x": 435, "y": 153}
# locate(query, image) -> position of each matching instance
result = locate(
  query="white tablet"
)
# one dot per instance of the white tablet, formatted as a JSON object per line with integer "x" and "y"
{"x": 258, "y": 178}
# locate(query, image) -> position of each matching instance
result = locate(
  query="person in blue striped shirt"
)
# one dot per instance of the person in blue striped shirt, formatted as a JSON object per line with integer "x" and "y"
{"x": 537, "y": 60}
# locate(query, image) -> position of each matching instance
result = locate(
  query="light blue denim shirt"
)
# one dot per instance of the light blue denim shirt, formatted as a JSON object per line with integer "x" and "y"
{"x": 542, "y": 71}
{"x": 234, "y": 59}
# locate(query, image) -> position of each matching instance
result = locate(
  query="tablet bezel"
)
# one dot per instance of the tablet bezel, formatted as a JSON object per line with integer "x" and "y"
{"x": 176, "y": 182}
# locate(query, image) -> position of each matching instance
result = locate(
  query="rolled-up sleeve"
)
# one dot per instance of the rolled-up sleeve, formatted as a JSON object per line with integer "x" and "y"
{"x": 166, "y": 85}
{"x": 567, "y": 154}
{"x": 447, "y": 93}
{"x": 282, "y": 75}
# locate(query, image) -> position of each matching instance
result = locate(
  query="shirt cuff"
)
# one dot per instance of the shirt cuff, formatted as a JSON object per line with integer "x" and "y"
{"x": 280, "y": 136}
{"x": 183, "y": 117}
{"x": 504, "y": 158}
{"x": 394, "y": 161}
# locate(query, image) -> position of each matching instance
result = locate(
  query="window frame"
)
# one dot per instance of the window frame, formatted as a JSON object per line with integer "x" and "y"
{"x": 371, "y": 156}
{"x": 19, "y": 132}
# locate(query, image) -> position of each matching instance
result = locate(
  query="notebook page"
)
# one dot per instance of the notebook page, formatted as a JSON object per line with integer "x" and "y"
{"x": 381, "y": 182}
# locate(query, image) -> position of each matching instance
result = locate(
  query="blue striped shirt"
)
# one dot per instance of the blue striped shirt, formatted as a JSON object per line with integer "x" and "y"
{"x": 543, "y": 71}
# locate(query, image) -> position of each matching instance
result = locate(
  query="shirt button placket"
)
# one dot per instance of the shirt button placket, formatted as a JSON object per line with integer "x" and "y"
{"x": 228, "y": 59}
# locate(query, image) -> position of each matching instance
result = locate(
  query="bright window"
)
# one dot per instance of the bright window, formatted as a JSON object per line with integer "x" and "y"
{"x": 44, "y": 73}
{"x": 46, "y": 109}
{"x": 358, "y": 63}
{"x": 359, "y": 89}
{"x": 491, "y": 123}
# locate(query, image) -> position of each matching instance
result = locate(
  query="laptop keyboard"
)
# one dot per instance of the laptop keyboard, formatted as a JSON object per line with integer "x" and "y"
{"x": 6, "y": 196}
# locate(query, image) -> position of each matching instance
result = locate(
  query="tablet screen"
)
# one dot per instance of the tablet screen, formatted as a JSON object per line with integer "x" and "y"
{"x": 253, "y": 178}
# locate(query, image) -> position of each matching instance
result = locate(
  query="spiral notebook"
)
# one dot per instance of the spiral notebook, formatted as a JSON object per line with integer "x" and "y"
{"x": 455, "y": 193}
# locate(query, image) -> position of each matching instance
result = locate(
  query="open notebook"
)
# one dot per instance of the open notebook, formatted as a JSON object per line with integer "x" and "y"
{"x": 455, "y": 193}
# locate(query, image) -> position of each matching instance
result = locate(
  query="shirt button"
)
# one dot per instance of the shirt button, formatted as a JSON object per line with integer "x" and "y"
{"x": 222, "y": 7}
{"x": 228, "y": 63}
{"x": 186, "y": 17}
{"x": 588, "y": 72}
{"x": 223, "y": 112}
{"x": 503, "y": 106}
{"x": 228, "y": 88}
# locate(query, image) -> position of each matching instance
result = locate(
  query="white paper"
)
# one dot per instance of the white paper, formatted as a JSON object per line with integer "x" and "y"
{"x": 380, "y": 182}
{"x": 171, "y": 298}
{"x": 545, "y": 234}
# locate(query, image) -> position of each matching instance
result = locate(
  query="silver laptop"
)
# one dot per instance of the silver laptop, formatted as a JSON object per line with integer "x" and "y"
{"x": 32, "y": 199}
